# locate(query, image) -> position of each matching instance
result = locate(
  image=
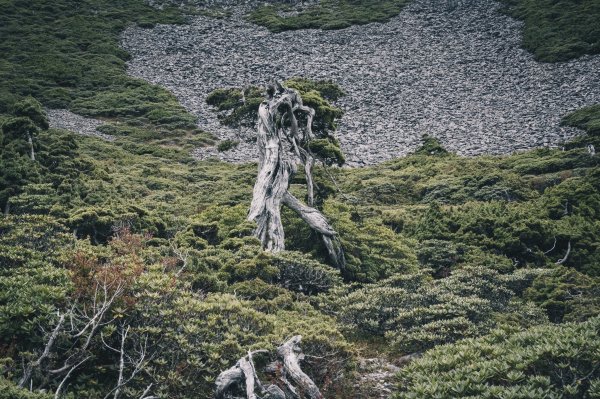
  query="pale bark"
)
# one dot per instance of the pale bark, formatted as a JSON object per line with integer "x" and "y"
{"x": 30, "y": 141}
{"x": 58, "y": 391}
{"x": 280, "y": 144}
{"x": 242, "y": 373}
{"x": 243, "y": 376}
{"x": 227, "y": 379}
{"x": 563, "y": 260}
{"x": 31, "y": 366}
{"x": 291, "y": 355}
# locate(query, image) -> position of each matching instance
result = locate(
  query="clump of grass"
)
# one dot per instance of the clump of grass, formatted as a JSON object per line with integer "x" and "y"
{"x": 327, "y": 14}
{"x": 227, "y": 145}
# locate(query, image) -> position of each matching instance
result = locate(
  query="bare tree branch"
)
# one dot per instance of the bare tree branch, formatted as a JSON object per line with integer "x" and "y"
{"x": 551, "y": 249}
{"x": 44, "y": 355}
{"x": 66, "y": 377}
{"x": 563, "y": 260}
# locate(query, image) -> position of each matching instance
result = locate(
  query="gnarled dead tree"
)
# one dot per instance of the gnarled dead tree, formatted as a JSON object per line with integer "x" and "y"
{"x": 289, "y": 381}
{"x": 282, "y": 146}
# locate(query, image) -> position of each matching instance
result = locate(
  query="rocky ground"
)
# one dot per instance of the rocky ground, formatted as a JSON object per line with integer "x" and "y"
{"x": 64, "y": 119}
{"x": 376, "y": 378}
{"x": 457, "y": 74}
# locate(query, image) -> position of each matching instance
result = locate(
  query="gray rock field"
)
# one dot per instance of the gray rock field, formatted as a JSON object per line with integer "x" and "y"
{"x": 65, "y": 119}
{"x": 459, "y": 75}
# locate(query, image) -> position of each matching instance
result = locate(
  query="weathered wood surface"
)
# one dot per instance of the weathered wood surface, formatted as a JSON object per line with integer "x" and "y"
{"x": 289, "y": 381}
{"x": 282, "y": 146}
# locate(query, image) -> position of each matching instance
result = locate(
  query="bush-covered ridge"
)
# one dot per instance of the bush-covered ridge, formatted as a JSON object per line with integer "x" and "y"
{"x": 326, "y": 14}
{"x": 66, "y": 54}
{"x": 439, "y": 248}
{"x": 553, "y": 361}
{"x": 558, "y": 30}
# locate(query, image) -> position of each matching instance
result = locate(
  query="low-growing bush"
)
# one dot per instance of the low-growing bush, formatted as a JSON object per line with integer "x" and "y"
{"x": 326, "y": 14}
{"x": 558, "y": 30}
{"x": 549, "y": 361}
{"x": 417, "y": 313}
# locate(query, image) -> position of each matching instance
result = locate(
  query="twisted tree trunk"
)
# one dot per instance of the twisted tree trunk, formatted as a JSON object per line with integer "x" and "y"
{"x": 282, "y": 145}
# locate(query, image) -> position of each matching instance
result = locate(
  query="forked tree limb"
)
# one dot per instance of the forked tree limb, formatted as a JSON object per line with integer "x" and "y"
{"x": 31, "y": 366}
{"x": 318, "y": 223}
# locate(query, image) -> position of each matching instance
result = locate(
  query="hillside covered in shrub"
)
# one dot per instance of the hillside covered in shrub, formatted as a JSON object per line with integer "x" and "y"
{"x": 128, "y": 268}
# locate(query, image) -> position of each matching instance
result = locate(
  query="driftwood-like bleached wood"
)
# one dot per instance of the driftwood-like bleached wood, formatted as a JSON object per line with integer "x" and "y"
{"x": 243, "y": 373}
{"x": 282, "y": 146}
{"x": 290, "y": 354}
{"x": 290, "y": 382}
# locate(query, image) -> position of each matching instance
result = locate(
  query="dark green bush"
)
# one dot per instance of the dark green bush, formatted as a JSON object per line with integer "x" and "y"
{"x": 566, "y": 295}
{"x": 558, "y": 30}
{"x": 550, "y": 361}
{"x": 587, "y": 118}
{"x": 227, "y": 145}
{"x": 327, "y": 14}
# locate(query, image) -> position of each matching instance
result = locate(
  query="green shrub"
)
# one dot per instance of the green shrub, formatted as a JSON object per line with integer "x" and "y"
{"x": 431, "y": 146}
{"x": 327, "y": 150}
{"x": 439, "y": 255}
{"x": 8, "y": 390}
{"x": 558, "y": 30}
{"x": 587, "y": 118}
{"x": 299, "y": 273}
{"x": 31, "y": 284}
{"x": 225, "y": 99}
{"x": 327, "y": 14}
{"x": 227, "y": 145}
{"x": 566, "y": 295}
{"x": 416, "y": 313}
{"x": 549, "y": 361}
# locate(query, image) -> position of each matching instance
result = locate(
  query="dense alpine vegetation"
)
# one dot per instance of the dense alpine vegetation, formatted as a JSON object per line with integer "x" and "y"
{"x": 128, "y": 268}
{"x": 558, "y": 30}
{"x": 328, "y": 14}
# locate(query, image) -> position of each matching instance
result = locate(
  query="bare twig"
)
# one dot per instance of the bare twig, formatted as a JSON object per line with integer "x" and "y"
{"x": 551, "y": 249}
{"x": 66, "y": 377}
